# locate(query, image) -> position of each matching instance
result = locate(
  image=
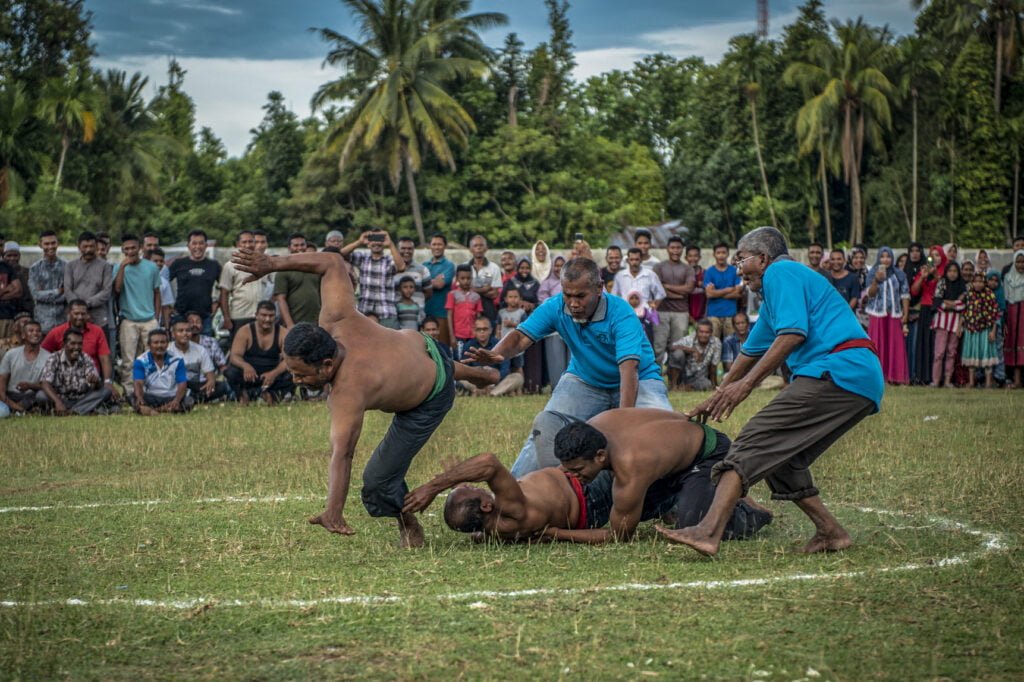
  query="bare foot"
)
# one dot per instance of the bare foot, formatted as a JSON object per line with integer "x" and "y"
{"x": 760, "y": 507}
{"x": 827, "y": 542}
{"x": 147, "y": 411}
{"x": 410, "y": 532}
{"x": 691, "y": 538}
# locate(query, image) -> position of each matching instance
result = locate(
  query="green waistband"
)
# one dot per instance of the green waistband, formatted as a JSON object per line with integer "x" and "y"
{"x": 440, "y": 376}
{"x": 710, "y": 442}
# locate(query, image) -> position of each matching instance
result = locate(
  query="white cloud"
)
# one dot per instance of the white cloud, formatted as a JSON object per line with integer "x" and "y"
{"x": 216, "y": 9}
{"x": 229, "y": 93}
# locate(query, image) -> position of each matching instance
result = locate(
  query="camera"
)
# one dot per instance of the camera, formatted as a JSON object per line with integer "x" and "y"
{"x": 375, "y": 237}
{"x": 579, "y": 236}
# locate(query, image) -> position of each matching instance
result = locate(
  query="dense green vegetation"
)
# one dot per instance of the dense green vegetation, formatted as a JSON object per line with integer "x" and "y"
{"x": 837, "y": 131}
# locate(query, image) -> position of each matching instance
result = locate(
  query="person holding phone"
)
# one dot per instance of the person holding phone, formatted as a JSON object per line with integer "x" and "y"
{"x": 887, "y": 305}
{"x": 377, "y": 272}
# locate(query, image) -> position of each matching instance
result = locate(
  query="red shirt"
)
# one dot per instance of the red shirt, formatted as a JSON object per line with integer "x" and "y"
{"x": 463, "y": 307}
{"x": 94, "y": 341}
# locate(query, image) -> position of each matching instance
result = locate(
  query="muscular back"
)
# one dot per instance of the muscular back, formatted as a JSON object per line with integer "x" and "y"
{"x": 550, "y": 502}
{"x": 649, "y": 444}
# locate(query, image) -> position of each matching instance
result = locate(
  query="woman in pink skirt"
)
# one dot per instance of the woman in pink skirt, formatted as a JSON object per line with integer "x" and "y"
{"x": 1013, "y": 337}
{"x": 886, "y": 302}
{"x": 948, "y": 305}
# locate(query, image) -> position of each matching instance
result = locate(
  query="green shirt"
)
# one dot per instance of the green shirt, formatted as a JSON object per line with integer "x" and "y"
{"x": 302, "y": 292}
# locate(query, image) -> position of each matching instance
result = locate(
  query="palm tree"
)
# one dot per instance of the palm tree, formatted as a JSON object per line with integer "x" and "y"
{"x": 396, "y": 79}
{"x": 846, "y": 89}
{"x": 15, "y": 120}
{"x": 71, "y": 104}
{"x": 751, "y": 56}
{"x": 918, "y": 62}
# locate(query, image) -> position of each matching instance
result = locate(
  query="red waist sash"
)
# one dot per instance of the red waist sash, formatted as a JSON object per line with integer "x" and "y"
{"x": 577, "y": 488}
{"x": 855, "y": 343}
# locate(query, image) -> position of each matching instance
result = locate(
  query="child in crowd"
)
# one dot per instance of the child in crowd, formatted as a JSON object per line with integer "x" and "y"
{"x": 463, "y": 306}
{"x": 949, "y": 303}
{"x": 410, "y": 313}
{"x": 994, "y": 280}
{"x": 980, "y": 319}
{"x": 697, "y": 298}
{"x": 648, "y": 316}
{"x": 512, "y": 314}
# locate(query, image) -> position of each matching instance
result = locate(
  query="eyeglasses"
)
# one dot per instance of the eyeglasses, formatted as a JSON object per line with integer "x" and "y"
{"x": 739, "y": 263}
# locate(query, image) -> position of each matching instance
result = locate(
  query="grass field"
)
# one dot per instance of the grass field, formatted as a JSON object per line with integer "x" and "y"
{"x": 177, "y": 547}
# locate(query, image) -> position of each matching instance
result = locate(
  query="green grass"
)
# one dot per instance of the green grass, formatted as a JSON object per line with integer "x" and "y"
{"x": 262, "y": 579}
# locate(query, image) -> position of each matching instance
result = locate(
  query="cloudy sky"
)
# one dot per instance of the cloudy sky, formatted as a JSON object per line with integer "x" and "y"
{"x": 236, "y": 51}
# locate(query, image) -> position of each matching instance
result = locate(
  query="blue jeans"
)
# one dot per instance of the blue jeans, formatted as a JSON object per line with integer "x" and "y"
{"x": 573, "y": 399}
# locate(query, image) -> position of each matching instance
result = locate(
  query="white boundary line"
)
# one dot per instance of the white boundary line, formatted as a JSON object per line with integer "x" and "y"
{"x": 153, "y": 503}
{"x": 991, "y": 542}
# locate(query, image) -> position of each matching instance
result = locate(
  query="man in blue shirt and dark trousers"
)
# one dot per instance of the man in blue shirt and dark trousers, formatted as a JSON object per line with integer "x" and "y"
{"x": 837, "y": 381}
{"x": 612, "y": 362}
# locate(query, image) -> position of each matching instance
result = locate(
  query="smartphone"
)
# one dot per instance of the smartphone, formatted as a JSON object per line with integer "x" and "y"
{"x": 375, "y": 237}
{"x": 931, "y": 261}
{"x": 579, "y": 236}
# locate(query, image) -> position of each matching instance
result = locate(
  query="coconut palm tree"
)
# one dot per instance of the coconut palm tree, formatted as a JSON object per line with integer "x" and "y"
{"x": 396, "y": 79}
{"x": 15, "y": 120}
{"x": 751, "y": 57}
{"x": 71, "y": 104}
{"x": 846, "y": 89}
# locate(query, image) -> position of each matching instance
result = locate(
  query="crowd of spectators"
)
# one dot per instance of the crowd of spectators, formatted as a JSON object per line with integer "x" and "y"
{"x": 89, "y": 335}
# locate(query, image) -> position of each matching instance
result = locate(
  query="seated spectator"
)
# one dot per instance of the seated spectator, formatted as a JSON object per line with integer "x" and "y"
{"x": 71, "y": 381}
{"x": 257, "y": 360}
{"x": 15, "y": 332}
{"x": 483, "y": 337}
{"x": 200, "y": 372}
{"x": 431, "y": 327}
{"x": 210, "y": 344}
{"x": 410, "y": 313}
{"x": 160, "y": 381}
{"x": 693, "y": 362}
{"x": 21, "y": 373}
{"x": 732, "y": 344}
{"x": 94, "y": 338}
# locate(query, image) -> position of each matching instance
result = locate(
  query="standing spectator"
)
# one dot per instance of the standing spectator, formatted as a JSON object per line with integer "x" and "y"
{"x": 526, "y": 284}
{"x": 197, "y": 277}
{"x": 648, "y": 316}
{"x": 200, "y": 372}
{"x": 698, "y": 301}
{"x": 983, "y": 262}
{"x": 507, "y": 263}
{"x": 137, "y": 286}
{"x": 486, "y": 277}
{"x": 419, "y": 273}
{"x": 540, "y": 260}
{"x": 94, "y": 339}
{"x": 1018, "y": 244}
{"x": 844, "y": 281}
{"x": 722, "y": 287}
{"x": 678, "y": 281}
{"x": 693, "y": 363}
{"x": 887, "y": 304}
{"x": 12, "y": 257}
{"x": 995, "y": 283}
{"x": 613, "y": 260}
{"x": 157, "y": 258}
{"x": 858, "y": 260}
{"x": 923, "y": 285}
{"x": 815, "y": 254}
{"x": 238, "y": 297}
{"x": 71, "y": 381}
{"x": 915, "y": 261}
{"x": 948, "y": 304}
{"x": 335, "y": 239}
{"x": 257, "y": 362}
{"x": 734, "y": 342}
{"x": 209, "y": 344}
{"x": 512, "y": 313}
{"x": 89, "y": 279}
{"x": 409, "y": 312}
{"x": 150, "y": 242}
{"x": 46, "y": 282}
{"x": 528, "y": 288}
{"x": 442, "y": 277}
{"x": 377, "y": 272}
{"x": 21, "y": 374}
{"x": 159, "y": 379}
{"x": 967, "y": 272}
{"x": 463, "y": 307}
{"x": 102, "y": 249}
{"x": 556, "y": 353}
{"x": 1013, "y": 334}
{"x": 642, "y": 241}
{"x": 952, "y": 252}
{"x": 981, "y": 318}
{"x": 297, "y": 294}
{"x": 635, "y": 277}
{"x": 261, "y": 244}
{"x": 10, "y": 289}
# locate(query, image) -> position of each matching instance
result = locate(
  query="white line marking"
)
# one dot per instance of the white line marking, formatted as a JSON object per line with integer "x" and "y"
{"x": 152, "y": 503}
{"x": 991, "y": 542}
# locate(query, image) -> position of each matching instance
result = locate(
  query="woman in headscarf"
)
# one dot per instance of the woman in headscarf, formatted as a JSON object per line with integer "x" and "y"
{"x": 858, "y": 258}
{"x": 541, "y": 260}
{"x": 1013, "y": 336}
{"x": 952, "y": 251}
{"x": 994, "y": 280}
{"x": 915, "y": 259}
{"x": 981, "y": 318}
{"x": 983, "y": 262}
{"x": 528, "y": 287}
{"x": 922, "y": 285}
{"x": 556, "y": 353}
{"x": 887, "y": 305}
{"x": 947, "y": 307}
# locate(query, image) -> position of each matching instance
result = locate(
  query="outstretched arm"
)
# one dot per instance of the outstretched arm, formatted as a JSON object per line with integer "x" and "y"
{"x": 485, "y": 468}
{"x": 346, "y": 425}
{"x": 337, "y": 300}
{"x": 481, "y": 377}
{"x": 512, "y": 345}
{"x": 627, "y": 508}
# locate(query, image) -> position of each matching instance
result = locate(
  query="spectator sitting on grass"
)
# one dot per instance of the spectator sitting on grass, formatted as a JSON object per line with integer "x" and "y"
{"x": 732, "y": 344}
{"x": 483, "y": 337}
{"x": 693, "y": 362}
{"x": 15, "y": 334}
{"x": 257, "y": 363}
{"x": 71, "y": 381}
{"x": 21, "y": 372}
{"x": 209, "y": 344}
{"x": 160, "y": 379}
{"x": 200, "y": 372}
{"x": 94, "y": 338}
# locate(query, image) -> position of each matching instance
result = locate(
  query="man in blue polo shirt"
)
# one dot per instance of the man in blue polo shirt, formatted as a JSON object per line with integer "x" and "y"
{"x": 837, "y": 381}
{"x": 612, "y": 363}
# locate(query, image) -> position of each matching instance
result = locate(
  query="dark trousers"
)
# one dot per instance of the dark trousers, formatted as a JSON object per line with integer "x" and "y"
{"x": 29, "y": 399}
{"x": 220, "y": 389}
{"x": 156, "y": 401}
{"x": 89, "y": 402}
{"x": 254, "y": 389}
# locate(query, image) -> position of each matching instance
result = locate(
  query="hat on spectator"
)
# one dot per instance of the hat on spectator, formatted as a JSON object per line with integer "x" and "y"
{"x": 12, "y": 246}
{"x": 335, "y": 234}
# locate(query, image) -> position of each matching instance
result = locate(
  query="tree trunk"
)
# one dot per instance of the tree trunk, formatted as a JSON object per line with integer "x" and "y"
{"x": 760, "y": 163}
{"x": 952, "y": 184}
{"x": 999, "y": 64}
{"x": 65, "y": 142}
{"x": 913, "y": 191}
{"x": 824, "y": 200}
{"x": 5, "y": 185}
{"x": 513, "y": 118}
{"x": 1016, "y": 198}
{"x": 414, "y": 196}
